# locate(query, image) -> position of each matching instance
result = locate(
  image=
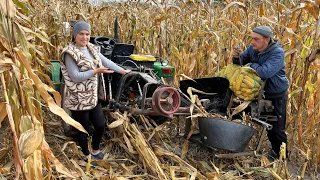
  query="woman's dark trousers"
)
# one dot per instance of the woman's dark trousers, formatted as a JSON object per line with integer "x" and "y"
{"x": 85, "y": 118}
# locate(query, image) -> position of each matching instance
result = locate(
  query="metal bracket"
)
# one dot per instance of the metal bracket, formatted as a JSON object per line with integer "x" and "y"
{"x": 109, "y": 82}
{"x": 262, "y": 123}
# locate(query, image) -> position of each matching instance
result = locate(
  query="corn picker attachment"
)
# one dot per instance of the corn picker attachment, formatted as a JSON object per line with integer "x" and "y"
{"x": 218, "y": 133}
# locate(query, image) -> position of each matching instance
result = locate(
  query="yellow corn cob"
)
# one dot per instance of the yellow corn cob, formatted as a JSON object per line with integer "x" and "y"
{"x": 238, "y": 82}
{"x": 234, "y": 76}
{"x": 248, "y": 91}
{"x": 221, "y": 73}
{"x": 249, "y": 98}
{"x": 230, "y": 69}
{"x": 248, "y": 81}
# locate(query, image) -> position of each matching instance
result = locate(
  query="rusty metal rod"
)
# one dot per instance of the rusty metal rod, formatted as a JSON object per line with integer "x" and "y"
{"x": 136, "y": 110}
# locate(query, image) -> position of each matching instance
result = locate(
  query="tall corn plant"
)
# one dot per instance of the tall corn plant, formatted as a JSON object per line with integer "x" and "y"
{"x": 22, "y": 63}
{"x": 198, "y": 38}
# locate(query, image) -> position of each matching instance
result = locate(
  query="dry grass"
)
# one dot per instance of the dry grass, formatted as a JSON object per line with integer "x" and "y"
{"x": 197, "y": 38}
{"x": 130, "y": 159}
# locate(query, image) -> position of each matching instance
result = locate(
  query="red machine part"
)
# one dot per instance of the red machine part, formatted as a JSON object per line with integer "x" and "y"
{"x": 165, "y": 100}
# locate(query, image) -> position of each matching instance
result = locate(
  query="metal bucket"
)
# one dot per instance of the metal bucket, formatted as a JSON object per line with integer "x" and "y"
{"x": 224, "y": 134}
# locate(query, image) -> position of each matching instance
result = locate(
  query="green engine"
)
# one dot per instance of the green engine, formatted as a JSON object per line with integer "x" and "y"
{"x": 162, "y": 69}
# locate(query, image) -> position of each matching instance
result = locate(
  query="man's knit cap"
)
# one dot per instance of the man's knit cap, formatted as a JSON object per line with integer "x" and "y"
{"x": 79, "y": 26}
{"x": 264, "y": 31}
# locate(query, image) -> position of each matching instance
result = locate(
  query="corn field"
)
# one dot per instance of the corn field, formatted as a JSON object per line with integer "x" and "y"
{"x": 197, "y": 37}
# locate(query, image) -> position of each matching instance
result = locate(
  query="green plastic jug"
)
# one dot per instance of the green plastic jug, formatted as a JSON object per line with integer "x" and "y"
{"x": 55, "y": 74}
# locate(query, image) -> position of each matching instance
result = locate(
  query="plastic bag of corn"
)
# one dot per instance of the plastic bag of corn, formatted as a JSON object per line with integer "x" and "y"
{"x": 244, "y": 81}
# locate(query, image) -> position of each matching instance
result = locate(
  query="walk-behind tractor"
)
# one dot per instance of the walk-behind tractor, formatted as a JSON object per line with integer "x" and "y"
{"x": 142, "y": 91}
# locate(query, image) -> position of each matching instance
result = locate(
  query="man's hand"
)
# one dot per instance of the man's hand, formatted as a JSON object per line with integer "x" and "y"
{"x": 102, "y": 70}
{"x": 236, "y": 52}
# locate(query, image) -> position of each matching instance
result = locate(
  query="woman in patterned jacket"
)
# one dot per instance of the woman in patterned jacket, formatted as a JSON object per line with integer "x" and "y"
{"x": 82, "y": 67}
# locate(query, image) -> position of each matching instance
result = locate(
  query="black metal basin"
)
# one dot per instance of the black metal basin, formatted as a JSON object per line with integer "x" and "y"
{"x": 218, "y": 85}
{"x": 210, "y": 85}
{"x": 224, "y": 134}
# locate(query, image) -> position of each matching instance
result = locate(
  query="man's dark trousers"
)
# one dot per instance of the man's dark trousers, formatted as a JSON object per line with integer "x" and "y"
{"x": 277, "y": 134}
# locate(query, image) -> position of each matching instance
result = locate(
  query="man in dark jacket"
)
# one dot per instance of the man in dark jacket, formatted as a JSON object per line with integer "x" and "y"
{"x": 266, "y": 56}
